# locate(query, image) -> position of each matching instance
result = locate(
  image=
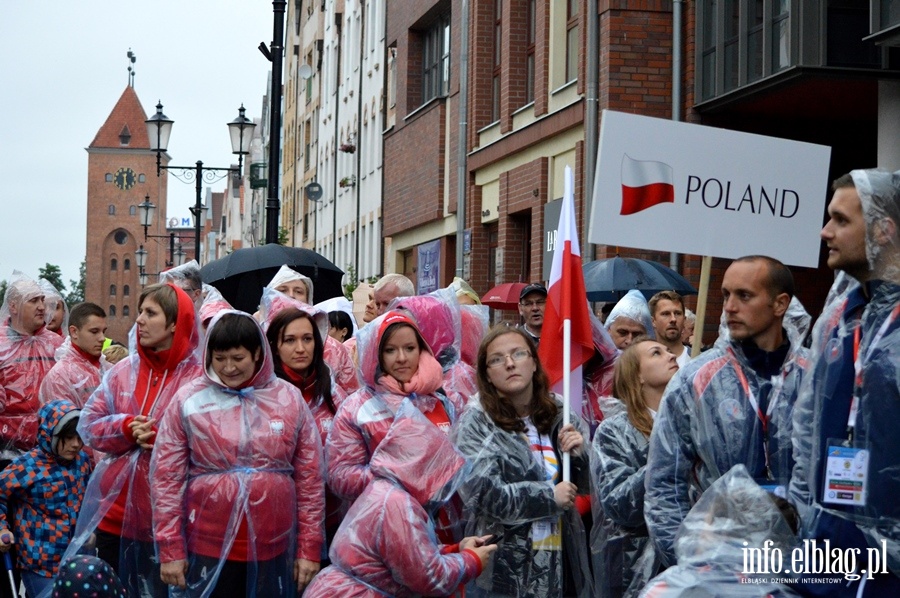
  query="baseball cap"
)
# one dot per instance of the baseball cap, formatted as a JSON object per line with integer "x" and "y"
{"x": 533, "y": 288}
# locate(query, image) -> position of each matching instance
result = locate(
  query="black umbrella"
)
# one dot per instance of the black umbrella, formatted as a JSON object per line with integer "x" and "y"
{"x": 610, "y": 279}
{"x": 241, "y": 275}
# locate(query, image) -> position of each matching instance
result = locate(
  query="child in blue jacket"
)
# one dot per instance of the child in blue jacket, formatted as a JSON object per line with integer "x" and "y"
{"x": 43, "y": 489}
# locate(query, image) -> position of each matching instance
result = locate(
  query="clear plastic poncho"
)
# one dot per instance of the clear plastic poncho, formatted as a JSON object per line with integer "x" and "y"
{"x": 733, "y": 515}
{"x": 438, "y": 317}
{"x": 74, "y": 377}
{"x": 189, "y": 271}
{"x": 213, "y": 302}
{"x": 508, "y": 492}
{"x": 717, "y": 413}
{"x": 53, "y": 303}
{"x": 598, "y": 402}
{"x": 25, "y": 358}
{"x": 117, "y": 501}
{"x": 475, "y": 322}
{"x": 825, "y": 399}
{"x": 286, "y": 274}
{"x": 237, "y": 475}
{"x": 387, "y": 544}
{"x": 634, "y": 306}
{"x": 339, "y": 304}
{"x": 624, "y": 559}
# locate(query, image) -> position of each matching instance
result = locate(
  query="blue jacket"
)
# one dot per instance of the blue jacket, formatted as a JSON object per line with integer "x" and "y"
{"x": 46, "y": 494}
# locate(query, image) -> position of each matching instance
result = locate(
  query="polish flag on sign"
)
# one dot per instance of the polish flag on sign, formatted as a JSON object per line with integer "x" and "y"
{"x": 645, "y": 183}
{"x": 566, "y": 301}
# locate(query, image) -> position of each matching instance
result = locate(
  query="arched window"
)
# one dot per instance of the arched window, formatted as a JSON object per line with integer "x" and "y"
{"x": 112, "y": 290}
{"x": 112, "y": 210}
{"x": 126, "y": 290}
{"x": 132, "y": 210}
{"x": 126, "y": 311}
{"x": 111, "y": 311}
{"x": 113, "y": 264}
{"x": 127, "y": 264}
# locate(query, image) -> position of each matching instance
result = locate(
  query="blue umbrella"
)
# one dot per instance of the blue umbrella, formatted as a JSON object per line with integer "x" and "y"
{"x": 610, "y": 279}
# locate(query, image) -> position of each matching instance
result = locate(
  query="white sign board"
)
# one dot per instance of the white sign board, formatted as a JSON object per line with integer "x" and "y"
{"x": 671, "y": 186}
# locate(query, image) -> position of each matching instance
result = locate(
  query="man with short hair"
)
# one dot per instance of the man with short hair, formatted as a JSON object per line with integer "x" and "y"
{"x": 732, "y": 405}
{"x": 389, "y": 287}
{"x": 78, "y": 366}
{"x": 629, "y": 319}
{"x": 532, "y": 303}
{"x": 849, "y": 411}
{"x": 27, "y": 351}
{"x": 187, "y": 278}
{"x": 667, "y": 313}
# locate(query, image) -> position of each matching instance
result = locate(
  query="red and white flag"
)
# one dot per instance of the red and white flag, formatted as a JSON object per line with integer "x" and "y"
{"x": 645, "y": 183}
{"x": 566, "y": 331}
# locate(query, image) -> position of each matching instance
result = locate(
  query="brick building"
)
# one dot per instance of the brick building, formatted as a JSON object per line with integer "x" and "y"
{"x": 121, "y": 174}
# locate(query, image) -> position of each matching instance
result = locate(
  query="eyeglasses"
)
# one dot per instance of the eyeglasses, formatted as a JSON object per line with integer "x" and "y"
{"x": 495, "y": 361}
{"x": 536, "y": 302}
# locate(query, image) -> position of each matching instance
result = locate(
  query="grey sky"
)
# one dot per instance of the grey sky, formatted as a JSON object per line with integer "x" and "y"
{"x": 64, "y": 66}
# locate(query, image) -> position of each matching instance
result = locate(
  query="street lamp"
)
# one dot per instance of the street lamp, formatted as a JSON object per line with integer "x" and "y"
{"x": 141, "y": 256}
{"x": 159, "y": 128}
{"x": 147, "y": 210}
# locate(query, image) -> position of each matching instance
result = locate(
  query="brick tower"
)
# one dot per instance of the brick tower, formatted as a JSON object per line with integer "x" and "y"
{"x": 121, "y": 173}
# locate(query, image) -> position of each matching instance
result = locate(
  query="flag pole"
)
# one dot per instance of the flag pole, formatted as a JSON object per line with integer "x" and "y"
{"x": 567, "y": 361}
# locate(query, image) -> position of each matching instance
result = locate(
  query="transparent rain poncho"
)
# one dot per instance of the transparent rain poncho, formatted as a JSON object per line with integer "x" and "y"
{"x": 74, "y": 377}
{"x": 339, "y": 304}
{"x": 707, "y": 423}
{"x": 365, "y": 417}
{"x": 439, "y": 320}
{"x": 475, "y": 322}
{"x": 286, "y": 274}
{"x": 27, "y": 353}
{"x": 336, "y": 354}
{"x": 821, "y": 417}
{"x": 117, "y": 500}
{"x": 733, "y": 516}
{"x": 598, "y": 373}
{"x": 508, "y": 492}
{"x": 53, "y": 303}
{"x": 213, "y": 302}
{"x": 237, "y": 475}
{"x": 185, "y": 276}
{"x": 633, "y": 306}
{"x": 623, "y": 557}
{"x": 387, "y": 544}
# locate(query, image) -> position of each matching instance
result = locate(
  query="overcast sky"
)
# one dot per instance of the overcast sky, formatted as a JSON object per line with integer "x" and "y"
{"x": 64, "y": 66}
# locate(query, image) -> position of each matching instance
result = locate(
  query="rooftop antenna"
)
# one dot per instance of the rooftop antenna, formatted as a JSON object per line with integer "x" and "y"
{"x": 133, "y": 58}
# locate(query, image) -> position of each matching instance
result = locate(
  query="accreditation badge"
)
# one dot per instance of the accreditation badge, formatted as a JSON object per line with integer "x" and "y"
{"x": 846, "y": 474}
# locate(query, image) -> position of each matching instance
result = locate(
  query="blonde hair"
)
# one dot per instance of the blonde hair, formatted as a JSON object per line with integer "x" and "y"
{"x": 627, "y": 387}
{"x": 115, "y": 353}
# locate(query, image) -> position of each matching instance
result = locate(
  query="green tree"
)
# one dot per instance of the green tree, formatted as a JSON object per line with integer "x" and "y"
{"x": 52, "y": 274}
{"x": 76, "y": 295}
{"x": 283, "y": 234}
{"x": 352, "y": 283}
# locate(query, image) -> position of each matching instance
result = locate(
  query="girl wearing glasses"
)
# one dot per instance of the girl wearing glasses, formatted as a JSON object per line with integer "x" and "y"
{"x": 514, "y": 436}
{"x": 624, "y": 561}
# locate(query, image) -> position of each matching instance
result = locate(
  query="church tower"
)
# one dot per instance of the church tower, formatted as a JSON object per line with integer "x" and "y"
{"x": 121, "y": 174}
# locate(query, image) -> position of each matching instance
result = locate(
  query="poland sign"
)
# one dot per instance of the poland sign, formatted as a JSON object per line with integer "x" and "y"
{"x": 672, "y": 186}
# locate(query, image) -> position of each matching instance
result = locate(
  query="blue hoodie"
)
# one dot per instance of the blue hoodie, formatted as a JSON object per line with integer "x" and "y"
{"x": 46, "y": 493}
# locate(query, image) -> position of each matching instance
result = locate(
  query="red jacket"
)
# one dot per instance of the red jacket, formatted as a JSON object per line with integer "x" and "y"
{"x": 238, "y": 469}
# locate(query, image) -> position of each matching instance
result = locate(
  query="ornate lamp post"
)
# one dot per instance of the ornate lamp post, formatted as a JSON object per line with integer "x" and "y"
{"x": 159, "y": 128}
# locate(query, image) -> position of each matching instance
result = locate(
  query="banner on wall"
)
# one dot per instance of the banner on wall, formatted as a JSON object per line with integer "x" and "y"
{"x": 428, "y": 272}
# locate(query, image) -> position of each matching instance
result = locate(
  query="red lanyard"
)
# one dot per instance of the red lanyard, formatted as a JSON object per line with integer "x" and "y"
{"x": 858, "y": 366}
{"x": 763, "y": 417}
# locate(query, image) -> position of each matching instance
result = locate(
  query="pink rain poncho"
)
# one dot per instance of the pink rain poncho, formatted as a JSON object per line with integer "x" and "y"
{"x": 438, "y": 317}
{"x": 237, "y": 476}
{"x": 117, "y": 501}
{"x": 386, "y": 545}
{"x": 365, "y": 417}
{"x": 27, "y": 352}
{"x": 75, "y": 376}
{"x": 598, "y": 373}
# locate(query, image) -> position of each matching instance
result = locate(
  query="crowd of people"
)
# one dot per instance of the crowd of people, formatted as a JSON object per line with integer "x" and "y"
{"x": 403, "y": 447}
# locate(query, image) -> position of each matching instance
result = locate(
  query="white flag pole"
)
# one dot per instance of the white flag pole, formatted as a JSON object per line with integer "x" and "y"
{"x": 567, "y": 362}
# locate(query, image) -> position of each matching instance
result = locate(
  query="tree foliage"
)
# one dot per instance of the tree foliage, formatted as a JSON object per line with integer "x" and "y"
{"x": 76, "y": 295}
{"x": 52, "y": 274}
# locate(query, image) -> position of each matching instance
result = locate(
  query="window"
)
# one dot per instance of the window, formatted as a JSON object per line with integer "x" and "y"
{"x": 109, "y": 177}
{"x": 142, "y": 178}
{"x": 571, "y": 40}
{"x": 126, "y": 264}
{"x": 781, "y": 35}
{"x": 126, "y": 311}
{"x": 732, "y": 35}
{"x": 307, "y": 142}
{"x": 114, "y": 264}
{"x": 132, "y": 210}
{"x": 111, "y": 311}
{"x": 754, "y": 40}
{"x": 436, "y": 60}
{"x": 126, "y": 290}
{"x": 121, "y": 237}
{"x": 498, "y": 54}
{"x": 112, "y": 210}
{"x": 529, "y": 52}
{"x": 112, "y": 290}
{"x": 708, "y": 56}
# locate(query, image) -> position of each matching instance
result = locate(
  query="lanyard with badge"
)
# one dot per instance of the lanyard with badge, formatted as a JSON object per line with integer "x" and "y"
{"x": 768, "y": 483}
{"x": 847, "y": 465}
